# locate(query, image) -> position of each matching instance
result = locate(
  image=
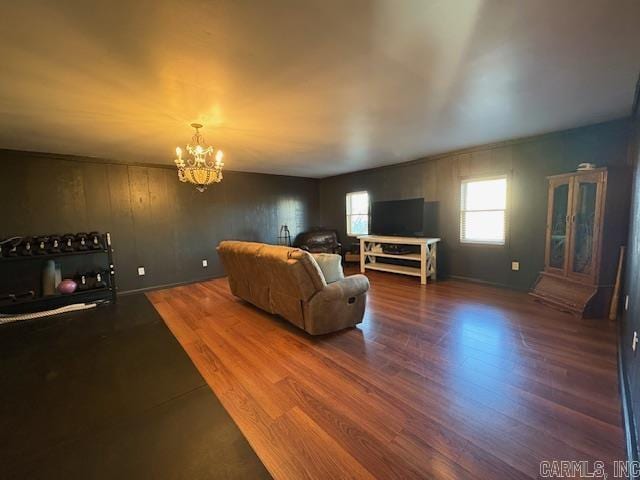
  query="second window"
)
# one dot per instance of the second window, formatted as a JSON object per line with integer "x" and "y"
{"x": 483, "y": 206}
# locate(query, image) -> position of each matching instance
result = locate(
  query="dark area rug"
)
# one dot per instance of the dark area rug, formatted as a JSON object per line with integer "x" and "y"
{"x": 110, "y": 393}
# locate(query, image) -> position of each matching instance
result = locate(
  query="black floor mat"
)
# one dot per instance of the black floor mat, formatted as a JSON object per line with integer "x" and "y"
{"x": 110, "y": 393}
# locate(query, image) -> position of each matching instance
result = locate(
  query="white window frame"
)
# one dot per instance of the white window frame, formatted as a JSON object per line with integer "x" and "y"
{"x": 466, "y": 181}
{"x": 349, "y": 214}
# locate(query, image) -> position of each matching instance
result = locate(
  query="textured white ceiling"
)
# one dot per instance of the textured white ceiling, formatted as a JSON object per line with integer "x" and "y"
{"x": 311, "y": 88}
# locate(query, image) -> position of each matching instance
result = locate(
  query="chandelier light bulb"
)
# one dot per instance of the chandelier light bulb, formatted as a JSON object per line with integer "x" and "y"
{"x": 179, "y": 153}
{"x": 219, "y": 156}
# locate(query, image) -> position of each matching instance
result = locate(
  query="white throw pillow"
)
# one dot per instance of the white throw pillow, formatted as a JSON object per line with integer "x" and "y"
{"x": 331, "y": 266}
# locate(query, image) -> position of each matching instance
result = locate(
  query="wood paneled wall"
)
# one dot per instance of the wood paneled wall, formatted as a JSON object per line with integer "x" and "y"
{"x": 630, "y": 318}
{"x": 527, "y": 163}
{"x": 155, "y": 221}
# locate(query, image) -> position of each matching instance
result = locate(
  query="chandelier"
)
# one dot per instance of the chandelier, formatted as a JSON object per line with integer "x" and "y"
{"x": 200, "y": 168}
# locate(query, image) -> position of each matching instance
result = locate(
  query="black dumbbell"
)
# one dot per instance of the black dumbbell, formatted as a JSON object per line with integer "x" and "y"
{"x": 95, "y": 241}
{"x": 99, "y": 277}
{"x": 11, "y": 248}
{"x": 82, "y": 241}
{"x": 26, "y": 246}
{"x": 82, "y": 281}
{"x": 55, "y": 244}
{"x": 67, "y": 243}
{"x": 41, "y": 245}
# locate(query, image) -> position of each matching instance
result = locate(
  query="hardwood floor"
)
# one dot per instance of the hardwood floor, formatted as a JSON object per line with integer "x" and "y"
{"x": 450, "y": 380}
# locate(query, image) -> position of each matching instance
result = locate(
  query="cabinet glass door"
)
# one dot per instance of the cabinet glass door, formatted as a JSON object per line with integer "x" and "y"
{"x": 586, "y": 204}
{"x": 558, "y": 228}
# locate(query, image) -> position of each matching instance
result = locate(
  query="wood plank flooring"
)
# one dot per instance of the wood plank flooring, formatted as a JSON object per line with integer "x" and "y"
{"x": 451, "y": 380}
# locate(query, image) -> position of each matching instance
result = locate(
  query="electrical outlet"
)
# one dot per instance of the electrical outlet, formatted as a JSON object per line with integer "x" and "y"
{"x": 626, "y": 303}
{"x": 515, "y": 266}
{"x": 141, "y": 271}
{"x": 205, "y": 263}
{"x": 634, "y": 342}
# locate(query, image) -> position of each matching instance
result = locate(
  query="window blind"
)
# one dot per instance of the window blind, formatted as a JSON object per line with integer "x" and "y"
{"x": 483, "y": 205}
{"x": 357, "y": 213}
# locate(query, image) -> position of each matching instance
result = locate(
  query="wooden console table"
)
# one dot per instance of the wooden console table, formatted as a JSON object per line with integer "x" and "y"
{"x": 371, "y": 249}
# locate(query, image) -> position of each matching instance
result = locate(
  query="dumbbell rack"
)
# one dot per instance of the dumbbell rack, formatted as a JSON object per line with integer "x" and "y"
{"x": 28, "y": 269}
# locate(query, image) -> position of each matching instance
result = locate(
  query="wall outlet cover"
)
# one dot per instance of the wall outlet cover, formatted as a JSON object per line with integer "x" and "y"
{"x": 626, "y": 303}
{"x": 205, "y": 263}
{"x": 515, "y": 266}
{"x": 141, "y": 271}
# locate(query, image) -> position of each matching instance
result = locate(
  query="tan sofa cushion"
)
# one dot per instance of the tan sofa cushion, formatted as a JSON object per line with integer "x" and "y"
{"x": 331, "y": 266}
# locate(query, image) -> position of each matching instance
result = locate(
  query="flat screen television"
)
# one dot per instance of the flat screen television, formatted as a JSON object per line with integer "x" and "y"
{"x": 402, "y": 218}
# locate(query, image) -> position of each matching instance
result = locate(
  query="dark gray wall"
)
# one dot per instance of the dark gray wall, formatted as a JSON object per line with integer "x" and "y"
{"x": 437, "y": 179}
{"x": 155, "y": 221}
{"x": 169, "y": 227}
{"x": 630, "y": 319}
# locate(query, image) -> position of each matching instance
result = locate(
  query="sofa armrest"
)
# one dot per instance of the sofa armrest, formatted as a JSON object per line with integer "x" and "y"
{"x": 348, "y": 287}
{"x": 338, "y": 305}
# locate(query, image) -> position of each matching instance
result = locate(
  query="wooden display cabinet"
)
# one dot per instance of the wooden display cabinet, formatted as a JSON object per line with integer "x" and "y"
{"x": 586, "y": 225}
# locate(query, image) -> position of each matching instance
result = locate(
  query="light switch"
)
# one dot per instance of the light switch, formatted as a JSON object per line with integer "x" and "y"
{"x": 515, "y": 266}
{"x": 141, "y": 271}
{"x": 205, "y": 263}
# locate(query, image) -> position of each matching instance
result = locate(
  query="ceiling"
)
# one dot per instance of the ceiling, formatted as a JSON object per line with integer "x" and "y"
{"x": 313, "y": 88}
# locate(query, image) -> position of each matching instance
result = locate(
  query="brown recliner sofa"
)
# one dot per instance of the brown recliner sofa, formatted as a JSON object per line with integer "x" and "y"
{"x": 319, "y": 240}
{"x": 288, "y": 282}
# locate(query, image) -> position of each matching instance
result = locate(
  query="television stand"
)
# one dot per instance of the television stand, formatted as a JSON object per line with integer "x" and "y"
{"x": 371, "y": 249}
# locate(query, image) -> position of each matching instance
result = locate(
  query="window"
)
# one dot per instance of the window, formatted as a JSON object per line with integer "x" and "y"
{"x": 357, "y": 213}
{"x": 483, "y": 204}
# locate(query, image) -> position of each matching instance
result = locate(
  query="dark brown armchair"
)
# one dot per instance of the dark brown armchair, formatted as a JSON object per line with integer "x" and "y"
{"x": 319, "y": 240}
